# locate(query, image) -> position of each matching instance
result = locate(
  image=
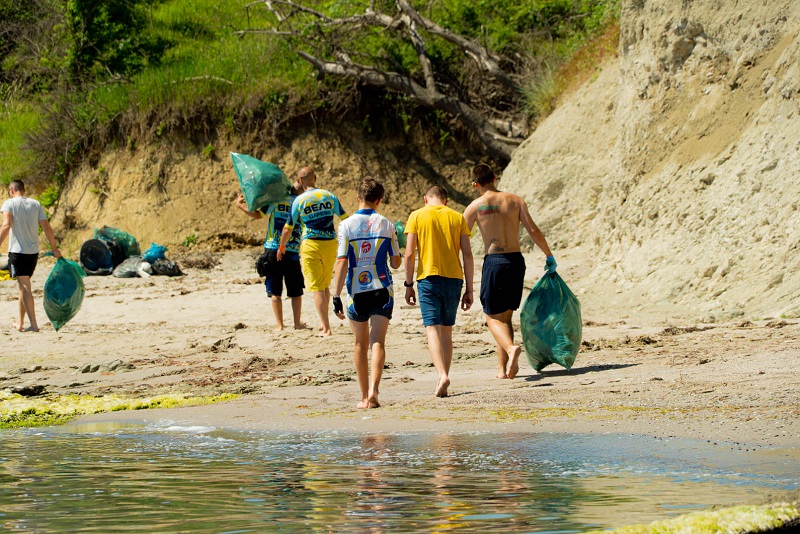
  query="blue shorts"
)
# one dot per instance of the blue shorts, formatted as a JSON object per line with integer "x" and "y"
{"x": 362, "y": 306}
{"x": 438, "y": 299}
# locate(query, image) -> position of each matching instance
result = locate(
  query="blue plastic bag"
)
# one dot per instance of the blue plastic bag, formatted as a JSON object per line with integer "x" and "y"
{"x": 154, "y": 252}
{"x": 551, "y": 323}
{"x": 262, "y": 183}
{"x": 63, "y": 292}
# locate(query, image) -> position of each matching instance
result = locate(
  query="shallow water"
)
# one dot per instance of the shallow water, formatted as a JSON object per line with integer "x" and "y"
{"x": 169, "y": 478}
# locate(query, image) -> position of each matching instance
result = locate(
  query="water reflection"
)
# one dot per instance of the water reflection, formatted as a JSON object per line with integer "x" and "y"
{"x": 169, "y": 478}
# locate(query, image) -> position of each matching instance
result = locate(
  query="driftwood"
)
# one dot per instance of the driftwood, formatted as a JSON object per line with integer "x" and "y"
{"x": 328, "y": 44}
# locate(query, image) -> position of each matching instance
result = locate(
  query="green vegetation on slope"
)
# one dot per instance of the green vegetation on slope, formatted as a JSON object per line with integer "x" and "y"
{"x": 126, "y": 72}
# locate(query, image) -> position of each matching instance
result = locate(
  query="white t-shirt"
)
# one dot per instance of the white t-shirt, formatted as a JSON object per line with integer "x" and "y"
{"x": 367, "y": 239}
{"x": 26, "y": 214}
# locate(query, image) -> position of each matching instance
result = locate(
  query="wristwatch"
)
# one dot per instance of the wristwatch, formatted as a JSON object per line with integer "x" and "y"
{"x": 406, "y": 284}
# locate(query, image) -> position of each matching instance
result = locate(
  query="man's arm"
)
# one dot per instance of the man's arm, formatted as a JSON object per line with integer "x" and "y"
{"x": 286, "y": 233}
{"x": 6, "y": 228}
{"x": 339, "y": 276}
{"x": 242, "y": 205}
{"x": 48, "y": 231}
{"x": 469, "y": 272}
{"x": 470, "y": 215}
{"x": 533, "y": 230}
{"x": 395, "y": 261}
{"x": 411, "y": 250}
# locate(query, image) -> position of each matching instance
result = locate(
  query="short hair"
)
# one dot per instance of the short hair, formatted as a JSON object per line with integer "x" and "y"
{"x": 17, "y": 185}
{"x": 482, "y": 174}
{"x": 436, "y": 191}
{"x": 370, "y": 190}
{"x": 305, "y": 172}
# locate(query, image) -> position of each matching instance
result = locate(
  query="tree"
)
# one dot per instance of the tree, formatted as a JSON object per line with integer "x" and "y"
{"x": 389, "y": 44}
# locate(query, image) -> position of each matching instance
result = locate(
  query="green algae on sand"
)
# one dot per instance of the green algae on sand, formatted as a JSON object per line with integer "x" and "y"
{"x": 19, "y": 411}
{"x": 739, "y": 519}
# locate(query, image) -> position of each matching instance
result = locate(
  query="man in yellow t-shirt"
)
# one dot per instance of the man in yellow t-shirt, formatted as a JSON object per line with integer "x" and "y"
{"x": 440, "y": 234}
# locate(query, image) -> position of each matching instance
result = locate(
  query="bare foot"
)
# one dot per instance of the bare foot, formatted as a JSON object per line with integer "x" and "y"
{"x": 325, "y": 333}
{"x": 363, "y": 405}
{"x": 279, "y": 328}
{"x": 513, "y": 360}
{"x": 501, "y": 372}
{"x": 373, "y": 402}
{"x": 441, "y": 389}
{"x": 31, "y": 329}
{"x": 301, "y": 326}
{"x": 19, "y": 327}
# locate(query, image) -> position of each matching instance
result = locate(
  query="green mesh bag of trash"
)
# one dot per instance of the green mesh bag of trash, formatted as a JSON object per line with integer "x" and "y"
{"x": 126, "y": 243}
{"x": 262, "y": 183}
{"x": 551, "y": 323}
{"x": 63, "y": 292}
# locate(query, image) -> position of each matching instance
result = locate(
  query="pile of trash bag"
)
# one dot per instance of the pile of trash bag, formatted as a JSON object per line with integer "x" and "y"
{"x": 153, "y": 262}
{"x": 551, "y": 323}
{"x": 113, "y": 251}
{"x": 262, "y": 183}
{"x": 63, "y": 292}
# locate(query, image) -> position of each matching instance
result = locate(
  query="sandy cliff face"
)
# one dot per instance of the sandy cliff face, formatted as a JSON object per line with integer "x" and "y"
{"x": 172, "y": 192}
{"x": 677, "y": 167}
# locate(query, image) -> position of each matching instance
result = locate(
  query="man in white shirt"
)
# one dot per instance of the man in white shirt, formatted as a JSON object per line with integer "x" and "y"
{"x": 367, "y": 245}
{"x": 22, "y": 217}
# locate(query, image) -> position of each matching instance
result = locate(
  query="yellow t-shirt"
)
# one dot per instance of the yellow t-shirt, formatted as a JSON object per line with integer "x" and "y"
{"x": 438, "y": 230}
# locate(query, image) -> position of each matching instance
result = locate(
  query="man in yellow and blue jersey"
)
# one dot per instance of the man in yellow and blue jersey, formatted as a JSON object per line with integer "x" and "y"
{"x": 286, "y": 271}
{"x": 315, "y": 209}
{"x": 367, "y": 246}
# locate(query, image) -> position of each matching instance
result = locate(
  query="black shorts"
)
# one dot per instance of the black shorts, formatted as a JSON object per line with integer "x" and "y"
{"x": 501, "y": 282}
{"x": 22, "y": 264}
{"x": 287, "y": 271}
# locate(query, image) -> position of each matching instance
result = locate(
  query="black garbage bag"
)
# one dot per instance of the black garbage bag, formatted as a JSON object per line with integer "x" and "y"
{"x": 166, "y": 267}
{"x": 95, "y": 257}
{"x": 63, "y": 292}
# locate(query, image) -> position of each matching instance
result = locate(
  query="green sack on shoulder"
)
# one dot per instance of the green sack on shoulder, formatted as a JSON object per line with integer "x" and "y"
{"x": 63, "y": 292}
{"x": 262, "y": 183}
{"x": 551, "y": 323}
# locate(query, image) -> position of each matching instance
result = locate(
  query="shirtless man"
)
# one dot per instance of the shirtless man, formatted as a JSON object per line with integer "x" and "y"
{"x": 499, "y": 216}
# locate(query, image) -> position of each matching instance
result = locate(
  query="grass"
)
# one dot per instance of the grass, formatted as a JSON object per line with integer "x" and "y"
{"x": 18, "y": 411}
{"x": 16, "y": 120}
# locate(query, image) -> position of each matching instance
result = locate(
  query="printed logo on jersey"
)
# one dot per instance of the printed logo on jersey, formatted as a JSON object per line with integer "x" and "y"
{"x": 364, "y": 278}
{"x": 365, "y": 247}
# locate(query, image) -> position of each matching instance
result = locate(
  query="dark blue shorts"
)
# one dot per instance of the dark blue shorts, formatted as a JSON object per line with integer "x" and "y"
{"x": 22, "y": 264}
{"x": 362, "y": 306}
{"x": 502, "y": 279}
{"x": 438, "y": 299}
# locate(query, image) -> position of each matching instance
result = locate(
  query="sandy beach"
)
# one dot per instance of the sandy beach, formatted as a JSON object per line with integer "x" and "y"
{"x": 642, "y": 369}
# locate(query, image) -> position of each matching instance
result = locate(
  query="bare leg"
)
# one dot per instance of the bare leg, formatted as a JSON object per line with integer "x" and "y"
{"x": 321, "y": 301}
{"x": 26, "y": 304}
{"x": 440, "y": 346}
{"x": 297, "y": 307}
{"x": 277, "y": 311}
{"x": 377, "y": 338}
{"x": 360, "y": 349}
{"x": 507, "y": 352}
